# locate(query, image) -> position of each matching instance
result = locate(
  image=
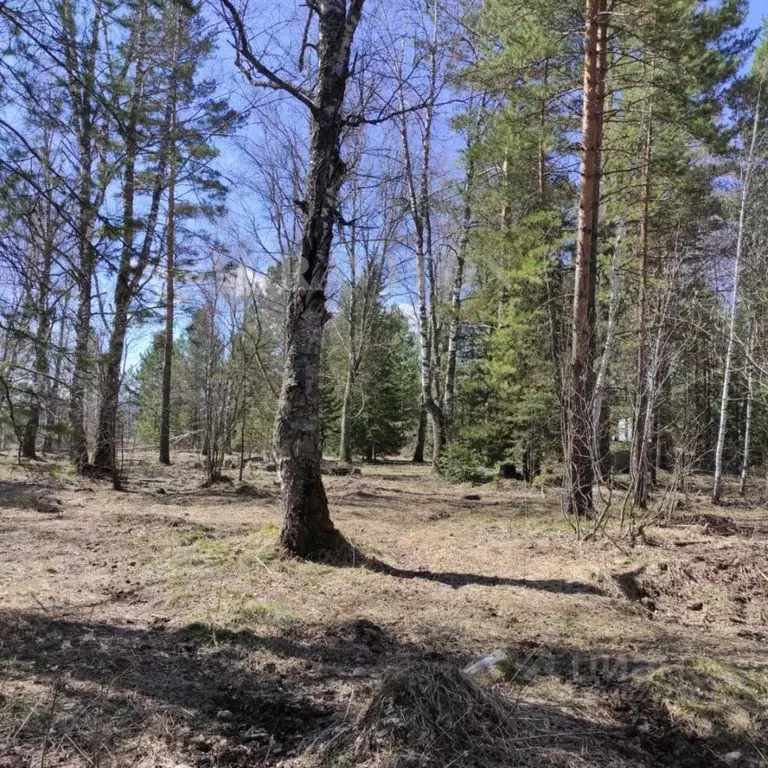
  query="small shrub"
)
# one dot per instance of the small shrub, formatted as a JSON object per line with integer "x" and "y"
{"x": 460, "y": 464}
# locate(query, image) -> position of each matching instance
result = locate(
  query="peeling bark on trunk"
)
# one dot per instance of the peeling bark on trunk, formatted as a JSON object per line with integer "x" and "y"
{"x": 307, "y": 527}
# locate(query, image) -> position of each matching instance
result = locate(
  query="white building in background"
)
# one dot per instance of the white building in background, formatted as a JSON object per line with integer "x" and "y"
{"x": 624, "y": 431}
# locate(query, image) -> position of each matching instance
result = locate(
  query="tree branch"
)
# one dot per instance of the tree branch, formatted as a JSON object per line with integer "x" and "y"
{"x": 243, "y": 52}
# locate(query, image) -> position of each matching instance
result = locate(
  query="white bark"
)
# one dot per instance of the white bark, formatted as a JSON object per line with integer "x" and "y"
{"x": 420, "y": 209}
{"x": 748, "y": 415}
{"x": 610, "y": 331}
{"x": 717, "y": 484}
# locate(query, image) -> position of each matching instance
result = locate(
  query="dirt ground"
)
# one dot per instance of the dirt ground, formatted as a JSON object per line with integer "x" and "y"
{"x": 156, "y": 627}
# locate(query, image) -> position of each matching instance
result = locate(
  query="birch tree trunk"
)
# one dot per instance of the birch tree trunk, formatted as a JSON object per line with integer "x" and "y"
{"x": 580, "y": 471}
{"x": 426, "y": 359}
{"x": 750, "y": 399}
{"x": 53, "y": 392}
{"x": 458, "y": 283}
{"x": 717, "y": 484}
{"x": 601, "y": 381}
{"x": 42, "y": 338}
{"x": 345, "y": 449}
{"x": 420, "y": 210}
{"x": 307, "y": 527}
{"x": 639, "y": 448}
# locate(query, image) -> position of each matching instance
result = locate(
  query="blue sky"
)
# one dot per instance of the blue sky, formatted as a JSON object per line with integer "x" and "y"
{"x": 757, "y": 9}
{"x": 140, "y": 338}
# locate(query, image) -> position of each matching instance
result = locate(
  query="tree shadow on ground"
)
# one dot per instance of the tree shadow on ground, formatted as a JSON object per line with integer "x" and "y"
{"x": 211, "y": 694}
{"x": 244, "y": 493}
{"x": 638, "y": 689}
{"x": 456, "y": 580}
{"x": 215, "y": 697}
{"x": 19, "y": 494}
{"x": 436, "y": 506}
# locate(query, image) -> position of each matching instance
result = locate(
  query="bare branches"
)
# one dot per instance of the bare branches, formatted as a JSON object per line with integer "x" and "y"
{"x": 251, "y": 65}
{"x": 305, "y": 37}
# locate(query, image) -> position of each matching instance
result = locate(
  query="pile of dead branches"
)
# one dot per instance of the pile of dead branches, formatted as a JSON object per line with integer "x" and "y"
{"x": 434, "y": 715}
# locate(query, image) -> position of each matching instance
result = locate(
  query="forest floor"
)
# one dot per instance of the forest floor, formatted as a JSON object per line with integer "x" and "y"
{"x": 156, "y": 627}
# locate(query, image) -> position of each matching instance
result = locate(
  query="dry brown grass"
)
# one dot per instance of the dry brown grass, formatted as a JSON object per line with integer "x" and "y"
{"x": 129, "y": 621}
{"x": 434, "y": 715}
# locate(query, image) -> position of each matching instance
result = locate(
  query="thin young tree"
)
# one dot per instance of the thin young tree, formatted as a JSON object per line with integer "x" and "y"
{"x": 168, "y": 48}
{"x": 170, "y": 255}
{"x": 368, "y": 242}
{"x": 418, "y": 179}
{"x": 747, "y": 170}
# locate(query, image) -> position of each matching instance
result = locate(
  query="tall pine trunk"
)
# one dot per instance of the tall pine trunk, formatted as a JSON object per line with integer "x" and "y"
{"x": 80, "y": 62}
{"x": 580, "y": 474}
{"x": 105, "y": 454}
{"x": 78, "y": 446}
{"x": 165, "y": 408}
{"x": 133, "y": 262}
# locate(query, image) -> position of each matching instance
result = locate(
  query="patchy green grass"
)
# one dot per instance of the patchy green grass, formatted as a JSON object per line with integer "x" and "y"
{"x": 712, "y": 698}
{"x": 193, "y": 534}
{"x": 212, "y": 635}
{"x": 239, "y": 610}
{"x": 248, "y": 612}
{"x": 177, "y": 578}
{"x": 242, "y": 613}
